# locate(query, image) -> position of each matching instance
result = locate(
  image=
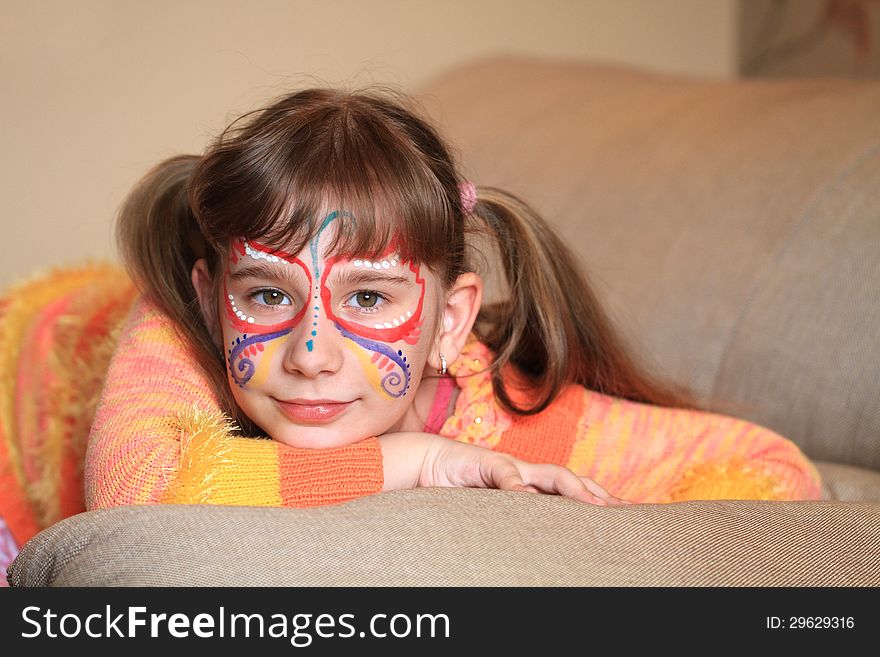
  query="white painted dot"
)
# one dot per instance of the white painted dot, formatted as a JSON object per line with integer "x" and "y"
{"x": 478, "y": 420}
{"x": 386, "y": 264}
{"x": 387, "y": 325}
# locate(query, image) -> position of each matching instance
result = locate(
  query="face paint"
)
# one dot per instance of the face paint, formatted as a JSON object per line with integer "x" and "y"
{"x": 380, "y": 265}
{"x": 254, "y": 334}
{"x": 378, "y": 336}
{"x": 392, "y": 384}
{"x": 405, "y": 327}
{"x": 310, "y": 345}
{"x": 262, "y": 369}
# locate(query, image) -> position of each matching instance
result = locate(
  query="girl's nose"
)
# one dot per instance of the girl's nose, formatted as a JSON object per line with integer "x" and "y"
{"x": 313, "y": 348}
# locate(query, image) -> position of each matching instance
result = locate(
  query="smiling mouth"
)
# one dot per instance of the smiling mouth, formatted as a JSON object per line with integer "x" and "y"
{"x": 316, "y": 411}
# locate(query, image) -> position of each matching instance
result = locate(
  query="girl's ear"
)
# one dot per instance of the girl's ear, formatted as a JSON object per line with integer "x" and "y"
{"x": 457, "y": 318}
{"x": 204, "y": 287}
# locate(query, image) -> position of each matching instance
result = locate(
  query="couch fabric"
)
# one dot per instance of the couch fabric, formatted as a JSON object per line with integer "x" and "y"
{"x": 462, "y": 537}
{"x": 732, "y": 229}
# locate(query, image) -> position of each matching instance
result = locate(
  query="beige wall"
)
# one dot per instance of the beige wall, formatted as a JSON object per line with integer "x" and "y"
{"x": 96, "y": 91}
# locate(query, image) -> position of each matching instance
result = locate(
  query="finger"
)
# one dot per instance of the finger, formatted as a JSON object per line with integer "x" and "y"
{"x": 597, "y": 490}
{"x": 562, "y": 481}
{"x": 503, "y": 474}
{"x": 570, "y": 485}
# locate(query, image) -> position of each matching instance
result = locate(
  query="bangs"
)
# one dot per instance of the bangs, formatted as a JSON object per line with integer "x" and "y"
{"x": 279, "y": 178}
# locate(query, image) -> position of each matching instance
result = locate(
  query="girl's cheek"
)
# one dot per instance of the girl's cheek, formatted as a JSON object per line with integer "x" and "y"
{"x": 249, "y": 355}
{"x": 263, "y": 360}
{"x": 385, "y": 368}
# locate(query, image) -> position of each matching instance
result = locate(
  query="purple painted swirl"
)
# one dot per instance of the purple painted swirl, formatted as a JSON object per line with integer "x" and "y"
{"x": 246, "y": 365}
{"x": 393, "y": 383}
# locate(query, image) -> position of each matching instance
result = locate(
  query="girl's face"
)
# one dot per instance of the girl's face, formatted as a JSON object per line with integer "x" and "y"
{"x": 324, "y": 351}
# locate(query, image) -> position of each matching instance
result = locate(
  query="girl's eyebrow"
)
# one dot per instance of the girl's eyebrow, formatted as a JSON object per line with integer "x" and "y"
{"x": 356, "y": 276}
{"x": 264, "y": 270}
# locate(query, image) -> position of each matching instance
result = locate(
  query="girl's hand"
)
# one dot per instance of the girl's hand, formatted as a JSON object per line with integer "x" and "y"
{"x": 420, "y": 459}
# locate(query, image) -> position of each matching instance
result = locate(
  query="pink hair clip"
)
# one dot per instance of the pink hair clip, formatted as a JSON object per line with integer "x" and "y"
{"x": 468, "y": 196}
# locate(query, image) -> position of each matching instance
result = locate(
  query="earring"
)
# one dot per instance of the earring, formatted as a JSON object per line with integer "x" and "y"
{"x": 442, "y": 369}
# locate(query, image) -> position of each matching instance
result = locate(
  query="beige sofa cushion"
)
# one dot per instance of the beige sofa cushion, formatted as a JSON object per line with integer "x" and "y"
{"x": 462, "y": 537}
{"x": 730, "y": 227}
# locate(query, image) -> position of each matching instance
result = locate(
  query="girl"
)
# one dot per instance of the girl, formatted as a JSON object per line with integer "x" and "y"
{"x": 310, "y": 278}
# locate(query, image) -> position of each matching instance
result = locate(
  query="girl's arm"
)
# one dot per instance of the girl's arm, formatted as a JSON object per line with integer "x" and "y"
{"x": 159, "y": 436}
{"x": 659, "y": 454}
{"x": 739, "y": 459}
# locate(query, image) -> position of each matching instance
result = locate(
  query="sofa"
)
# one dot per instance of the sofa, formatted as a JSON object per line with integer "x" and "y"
{"x": 732, "y": 230}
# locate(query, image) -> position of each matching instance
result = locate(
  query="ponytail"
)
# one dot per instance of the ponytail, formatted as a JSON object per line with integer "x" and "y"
{"x": 159, "y": 241}
{"x": 552, "y": 327}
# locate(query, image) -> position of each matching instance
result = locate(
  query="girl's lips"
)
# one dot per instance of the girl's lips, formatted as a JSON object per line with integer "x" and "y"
{"x": 316, "y": 412}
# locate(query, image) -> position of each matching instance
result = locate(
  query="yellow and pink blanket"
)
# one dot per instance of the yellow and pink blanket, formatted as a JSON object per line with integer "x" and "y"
{"x": 57, "y": 335}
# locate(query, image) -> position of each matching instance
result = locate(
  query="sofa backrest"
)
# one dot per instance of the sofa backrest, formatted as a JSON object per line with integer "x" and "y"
{"x": 730, "y": 227}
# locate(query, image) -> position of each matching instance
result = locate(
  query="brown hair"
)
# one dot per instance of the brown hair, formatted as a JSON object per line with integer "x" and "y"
{"x": 267, "y": 176}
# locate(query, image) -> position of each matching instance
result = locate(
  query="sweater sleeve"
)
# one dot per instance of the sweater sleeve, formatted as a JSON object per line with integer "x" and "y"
{"x": 656, "y": 454}
{"x": 744, "y": 460}
{"x": 159, "y": 436}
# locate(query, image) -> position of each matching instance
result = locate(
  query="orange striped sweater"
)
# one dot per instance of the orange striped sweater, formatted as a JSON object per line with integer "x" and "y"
{"x": 157, "y": 434}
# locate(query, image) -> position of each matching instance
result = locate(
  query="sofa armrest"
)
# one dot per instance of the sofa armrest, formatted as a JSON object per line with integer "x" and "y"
{"x": 462, "y": 537}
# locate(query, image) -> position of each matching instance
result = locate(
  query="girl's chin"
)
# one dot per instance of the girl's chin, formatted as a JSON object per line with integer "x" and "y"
{"x": 319, "y": 438}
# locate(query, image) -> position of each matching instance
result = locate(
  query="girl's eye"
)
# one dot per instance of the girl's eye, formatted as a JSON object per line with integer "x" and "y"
{"x": 272, "y": 297}
{"x": 366, "y": 299}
